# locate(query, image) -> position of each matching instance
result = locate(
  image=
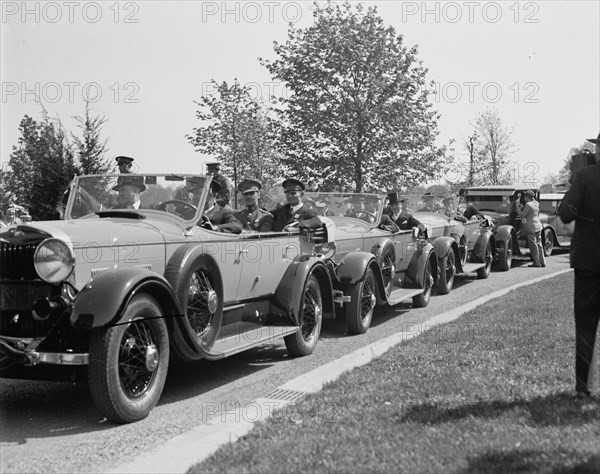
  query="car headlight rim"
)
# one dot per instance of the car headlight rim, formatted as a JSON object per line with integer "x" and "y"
{"x": 54, "y": 260}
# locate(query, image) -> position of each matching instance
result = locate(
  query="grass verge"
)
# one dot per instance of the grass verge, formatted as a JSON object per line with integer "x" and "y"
{"x": 489, "y": 392}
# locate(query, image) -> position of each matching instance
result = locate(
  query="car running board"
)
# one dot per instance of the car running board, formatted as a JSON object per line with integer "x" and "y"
{"x": 245, "y": 340}
{"x": 400, "y": 294}
{"x": 470, "y": 268}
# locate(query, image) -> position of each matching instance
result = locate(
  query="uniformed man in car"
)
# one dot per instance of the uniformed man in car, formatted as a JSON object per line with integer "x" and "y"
{"x": 294, "y": 213}
{"x": 450, "y": 211}
{"x": 213, "y": 168}
{"x": 429, "y": 206}
{"x": 253, "y": 218}
{"x": 217, "y": 217}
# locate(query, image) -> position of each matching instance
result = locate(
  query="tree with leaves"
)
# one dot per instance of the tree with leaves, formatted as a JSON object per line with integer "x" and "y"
{"x": 90, "y": 148}
{"x": 495, "y": 145}
{"x": 41, "y": 166}
{"x": 357, "y": 115}
{"x": 238, "y": 131}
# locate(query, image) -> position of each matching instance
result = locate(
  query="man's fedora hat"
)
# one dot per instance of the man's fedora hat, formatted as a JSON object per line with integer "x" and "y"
{"x": 594, "y": 140}
{"x": 130, "y": 180}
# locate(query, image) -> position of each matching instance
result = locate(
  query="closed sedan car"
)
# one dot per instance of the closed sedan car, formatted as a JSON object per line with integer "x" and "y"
{"x": 556, "y": 232}
{"x": 113, "y": 292}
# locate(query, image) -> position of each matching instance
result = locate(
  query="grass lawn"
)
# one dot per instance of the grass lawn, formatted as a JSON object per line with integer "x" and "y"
{"x": 491, "y": 392}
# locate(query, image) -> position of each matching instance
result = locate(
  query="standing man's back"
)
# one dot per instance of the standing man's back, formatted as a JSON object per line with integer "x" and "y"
{"x": 582, "y": 204}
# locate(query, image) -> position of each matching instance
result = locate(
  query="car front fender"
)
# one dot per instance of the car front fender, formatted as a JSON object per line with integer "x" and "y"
{"x": 503, "y": 234}
{"x": 353, "y": 266}
{"x": 481, "y": 244}
{"x": 288, "y": 296}
{"x": 104, "y": 298}
{"x": 416, "y": 267}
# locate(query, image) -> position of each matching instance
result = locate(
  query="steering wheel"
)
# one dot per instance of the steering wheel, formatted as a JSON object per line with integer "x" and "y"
{"x": 182, "y": 208}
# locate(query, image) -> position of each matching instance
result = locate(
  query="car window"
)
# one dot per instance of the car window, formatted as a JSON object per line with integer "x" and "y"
{"x": 367, "y": 207}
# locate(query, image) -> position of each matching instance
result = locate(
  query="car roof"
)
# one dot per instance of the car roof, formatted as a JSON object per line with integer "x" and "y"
{"x": 502, "y": 187}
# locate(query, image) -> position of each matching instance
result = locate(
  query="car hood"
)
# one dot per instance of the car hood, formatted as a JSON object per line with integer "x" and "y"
{"x": 95, "y": 231}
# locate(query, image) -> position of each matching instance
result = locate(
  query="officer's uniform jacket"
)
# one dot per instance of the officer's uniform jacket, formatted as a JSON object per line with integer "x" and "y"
{"x": 283, "y": 216}
{"x": 224, "y": 219}
{"x": 258, "y": 220}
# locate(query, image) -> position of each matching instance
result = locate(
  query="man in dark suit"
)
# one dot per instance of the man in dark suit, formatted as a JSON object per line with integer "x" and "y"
{"x": 398, "y": 212}
{"x": 253, "y": 217}
{"x": 217, "y": 217}
{"x": 129, "y": 188}
{"x": 581, "y": 203}
{"x": 294, "y": 213}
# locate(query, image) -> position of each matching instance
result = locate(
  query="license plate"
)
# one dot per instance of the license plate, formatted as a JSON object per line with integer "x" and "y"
{"x": 20, "y": 297}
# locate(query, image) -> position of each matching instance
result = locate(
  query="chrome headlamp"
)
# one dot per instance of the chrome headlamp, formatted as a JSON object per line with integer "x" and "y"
{"x": 53, "y": 260}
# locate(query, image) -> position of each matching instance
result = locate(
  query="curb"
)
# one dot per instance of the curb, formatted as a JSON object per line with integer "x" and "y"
{"x": 178, "y": 454}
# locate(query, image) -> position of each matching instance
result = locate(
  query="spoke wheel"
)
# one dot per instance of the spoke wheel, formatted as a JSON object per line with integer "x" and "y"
{"x": 362, "y": 304}
{"x": 200, "y": 303}
{"x": 198, "y": 294}
{"x": 304, "y": 340}
{"x": 484, "y": 272}
{"x": 129, "y": 362}
{"x": 447, "y": 273}
{"x": 422, "y": 300}
{"x": 548, "y": 242}
{"x": 388, "y": 271}
{"x": 506, "y": 254}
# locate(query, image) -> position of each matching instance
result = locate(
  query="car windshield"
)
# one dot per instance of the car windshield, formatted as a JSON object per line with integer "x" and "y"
{"x": 364, "y": 206}
{"x": 180, "y": 195}
{"x": 501, "y": 203}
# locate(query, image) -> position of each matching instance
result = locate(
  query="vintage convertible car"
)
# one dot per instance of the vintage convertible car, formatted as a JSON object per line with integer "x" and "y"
{"x": 373, "y": 265}
{"x": 497, "y": 203}
{"x": 109, "y": 295}
{"x": 462, "y": 248}
{"x": 556, "y": 232}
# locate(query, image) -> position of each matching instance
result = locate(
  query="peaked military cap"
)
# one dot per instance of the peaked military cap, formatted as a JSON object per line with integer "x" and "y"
{"x": 292, "y": 184}
{"x": 213, "y": 164}
{"x": 595, "y": 140}
{"x": 130, "y": 180}
{"x": 124, "y": 159}
{"x": 249, "y": 185}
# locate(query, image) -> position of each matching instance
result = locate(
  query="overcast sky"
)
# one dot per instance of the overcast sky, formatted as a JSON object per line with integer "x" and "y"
{"x": 144, "y": 63}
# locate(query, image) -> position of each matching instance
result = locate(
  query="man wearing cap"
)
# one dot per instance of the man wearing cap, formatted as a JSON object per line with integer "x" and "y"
{"x": 294, "y": 213}
{"x": 429, "y": 207}
{"x": 129, "y": 189}
{"x": 322, "y": 207}
{"x": 217, "y": 217}
{"x": 224, "y": 196}
{"x": 532, "y": 227}
{"x": 124, "y": 163}
{"x": 581, "y": 204}
{"x": 450, "y": 211}
{"x": 253, "y": 217}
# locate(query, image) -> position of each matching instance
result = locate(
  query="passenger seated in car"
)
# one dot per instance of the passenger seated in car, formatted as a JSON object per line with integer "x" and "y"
{"x": 450, "y": 211}
{"x": 215, "y": 216}
{"x": 397, "y": 210}
{"x": 294, "y": 214}
{"x": 253, "y": 218}
{"x": 129, "y": 188}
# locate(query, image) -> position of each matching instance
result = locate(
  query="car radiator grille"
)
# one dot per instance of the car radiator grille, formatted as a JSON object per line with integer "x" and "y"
{"x": 16, "y": 261}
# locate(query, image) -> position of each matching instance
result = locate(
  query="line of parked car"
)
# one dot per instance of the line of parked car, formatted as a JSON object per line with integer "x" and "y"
{"x": 111, "y": 296}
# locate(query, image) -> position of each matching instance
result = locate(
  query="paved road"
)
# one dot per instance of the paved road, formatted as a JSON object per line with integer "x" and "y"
{"x": 54, "y": 427}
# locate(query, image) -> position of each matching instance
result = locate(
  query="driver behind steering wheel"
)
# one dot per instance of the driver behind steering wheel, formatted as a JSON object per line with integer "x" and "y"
{"x": 215, "y": 216}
